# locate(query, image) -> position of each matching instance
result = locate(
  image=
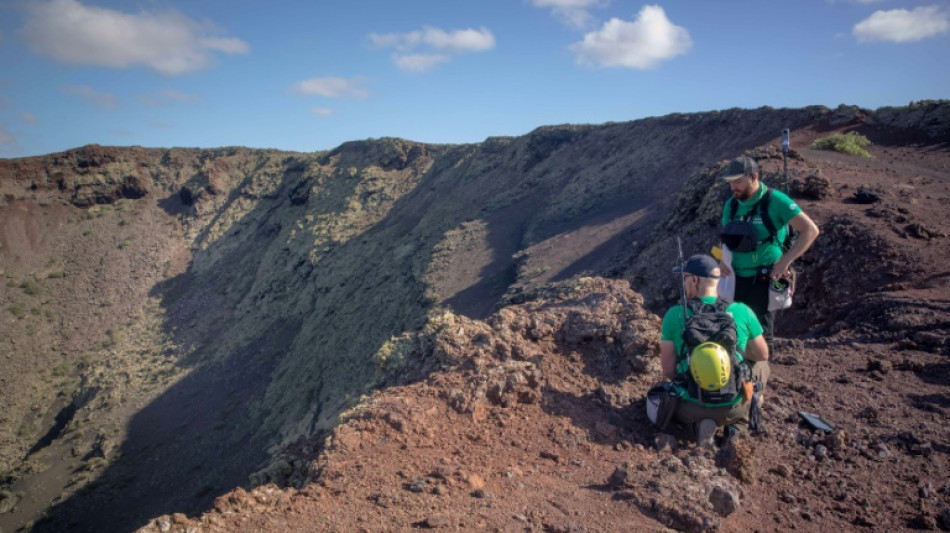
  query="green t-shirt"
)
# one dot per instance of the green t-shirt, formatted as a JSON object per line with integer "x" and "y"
{"x": 747, "y": 326}
{"x": 781, "y": 210}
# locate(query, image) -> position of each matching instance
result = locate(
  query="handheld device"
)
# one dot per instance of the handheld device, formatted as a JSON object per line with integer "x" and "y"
{"x": 815, "y": 421}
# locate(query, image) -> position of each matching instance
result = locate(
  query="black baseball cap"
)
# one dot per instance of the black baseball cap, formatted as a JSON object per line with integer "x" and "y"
{"x": 739, "y": 167}
{"x": 700, "y": 265}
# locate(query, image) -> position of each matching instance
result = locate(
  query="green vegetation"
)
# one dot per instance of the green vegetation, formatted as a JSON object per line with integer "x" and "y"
{"x": 17, "y": 309}
{"x": 87, "y": 233}
{"x": 112, "y": 338}
{"x": 56, "y": 274}
{"x": 60, "y": 370}
{"x": 847, "y": 143}
{"x": 31, "y": 287}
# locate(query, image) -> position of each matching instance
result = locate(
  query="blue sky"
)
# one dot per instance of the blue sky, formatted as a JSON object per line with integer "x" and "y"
{"x": 309, "y": 75}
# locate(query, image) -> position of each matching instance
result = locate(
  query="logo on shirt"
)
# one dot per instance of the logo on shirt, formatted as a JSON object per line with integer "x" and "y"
{"x": 792, "y": 207}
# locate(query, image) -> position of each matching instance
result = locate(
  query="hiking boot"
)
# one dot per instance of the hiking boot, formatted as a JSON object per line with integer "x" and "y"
{"x": 755, "y": 413}
{"x": 730, "y": 436}
{"x": 705, "y": 432}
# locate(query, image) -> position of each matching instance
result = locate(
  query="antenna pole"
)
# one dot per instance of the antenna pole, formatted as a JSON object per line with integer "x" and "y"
{"x": 679, "y": 248}
{"x": 785, "y": 156}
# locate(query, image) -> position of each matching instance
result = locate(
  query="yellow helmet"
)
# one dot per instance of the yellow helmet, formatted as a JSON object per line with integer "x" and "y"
{"x": 709, "y": 366}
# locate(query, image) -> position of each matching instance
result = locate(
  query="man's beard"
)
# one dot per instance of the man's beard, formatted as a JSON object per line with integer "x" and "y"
{"x": 743, "y": 195}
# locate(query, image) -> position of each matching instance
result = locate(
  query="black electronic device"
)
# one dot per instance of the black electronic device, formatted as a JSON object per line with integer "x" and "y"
{"x": 815, "y": 421}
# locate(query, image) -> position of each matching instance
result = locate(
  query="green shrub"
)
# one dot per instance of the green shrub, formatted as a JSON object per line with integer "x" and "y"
{"x": 17, "y": 309}
{"x": 31, "y": 287}
{"x": 847, "y": 143}
{"x": 56, "y": 274}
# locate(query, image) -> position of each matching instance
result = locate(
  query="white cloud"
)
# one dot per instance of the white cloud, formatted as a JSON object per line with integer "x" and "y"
{"x": 438, "y": 46}
{"x": 100, "y": 99}
{"x": 322, "y": 111}
{"x": 167, "y": 42}
{"x": 420, "y": 62}
{"x": 231, "y": 45}
{"x": 29, "y": 118}
{"x": 165, "y": 97}
{"x": 331, "y": 87}
{"x": 641, "y": 44}
{"x": 574, "y": 13}
{"x": 901, "y": 25}
{"x": 468, "y": 40}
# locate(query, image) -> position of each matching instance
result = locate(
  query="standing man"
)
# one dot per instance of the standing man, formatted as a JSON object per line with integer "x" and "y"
{"x": 755, "y": 226}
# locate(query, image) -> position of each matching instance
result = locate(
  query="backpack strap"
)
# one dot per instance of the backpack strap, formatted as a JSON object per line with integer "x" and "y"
{"x": 696, "y": 306}
{"x": 721, "y": 305}
{"x": 763, "y": 206}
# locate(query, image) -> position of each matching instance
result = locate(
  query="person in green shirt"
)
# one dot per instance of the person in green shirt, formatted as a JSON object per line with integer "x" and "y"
{"x": 768, "y": 260}
{"x": 701, "y": 279}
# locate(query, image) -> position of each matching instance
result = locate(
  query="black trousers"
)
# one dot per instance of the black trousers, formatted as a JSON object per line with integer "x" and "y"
{"x": 754, "y": 292}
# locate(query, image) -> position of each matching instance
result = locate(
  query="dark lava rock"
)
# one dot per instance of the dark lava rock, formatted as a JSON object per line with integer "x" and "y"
{"x": 724, "y": 501}
{"x": 866, "y": 196}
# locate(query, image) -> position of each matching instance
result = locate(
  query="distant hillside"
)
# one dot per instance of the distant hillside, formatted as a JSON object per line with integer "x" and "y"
{"x": 174, "y": 317}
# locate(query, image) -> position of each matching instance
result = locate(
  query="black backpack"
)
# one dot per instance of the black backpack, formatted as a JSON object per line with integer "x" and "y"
{"x": 710, "y": 322}
{"x": 740, "y": 236}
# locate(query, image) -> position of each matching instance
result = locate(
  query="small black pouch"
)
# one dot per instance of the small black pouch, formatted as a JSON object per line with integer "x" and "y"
{"x": 668, "y": 404}
{"x": 662, "y": 401}
{"x": 739, "y": 236}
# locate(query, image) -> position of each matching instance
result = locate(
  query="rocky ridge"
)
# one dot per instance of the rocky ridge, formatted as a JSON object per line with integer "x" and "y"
{"x": 278, "y": 294}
